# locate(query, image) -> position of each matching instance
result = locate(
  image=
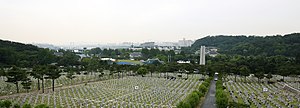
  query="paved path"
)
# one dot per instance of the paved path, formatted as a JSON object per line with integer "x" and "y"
{"x": 210, "y": 99}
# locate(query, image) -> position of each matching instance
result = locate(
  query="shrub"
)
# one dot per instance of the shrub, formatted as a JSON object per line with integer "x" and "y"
{"x": 193, "y": 99}
{"x": 26, "y": 106}
{"x": 41, "y": 106}
{"x": 196, "y": 91}
{"x": 221, "y": 97}
{"x": 16, "y": 106}
{"x": 206, "y": 84}
{"x": 201, "y": 94}
{"x": 5, "y": 104}
{"x": 202, "y": 88}
{"x": 183, "y": 104}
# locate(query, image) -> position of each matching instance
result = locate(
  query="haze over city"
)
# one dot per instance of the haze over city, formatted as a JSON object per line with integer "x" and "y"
{"x": 115, "y": 21}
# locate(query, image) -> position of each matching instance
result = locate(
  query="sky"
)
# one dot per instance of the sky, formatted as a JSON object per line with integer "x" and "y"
{"x": 114, "y": 21}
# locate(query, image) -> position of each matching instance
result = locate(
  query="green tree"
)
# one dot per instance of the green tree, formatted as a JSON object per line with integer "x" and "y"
{"x": 42, "y": 106}
{"x": 26, "y": 106}
{"x": 52, "y": 73}
{"x": 5, "y": 104}
{"x": 244, "y": 71}
{"x": 68, "y": 59}
{"x": 15, "y": 75}
{"x": 39, "y": 72}
{"x": 183, "y": 104}
{"x": 259, "y": 75}
{"x": 284, "y": 70}
{"x": 142, "y": 71}
{"x": 71, "y": 73}
{"x": 269, "y": 76}
{"x": 26, "y": 83}
{"x": 152, "y": 68}
{"x": 202, "y": 88}
{"x": 2, "y": 72}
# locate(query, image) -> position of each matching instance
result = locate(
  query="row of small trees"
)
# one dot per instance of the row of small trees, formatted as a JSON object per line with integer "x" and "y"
{"x": 18, "y": 75}
{"x": 260, "y": 66}
{"x": 221, "y": 97}
{"x": 193, "y": 99}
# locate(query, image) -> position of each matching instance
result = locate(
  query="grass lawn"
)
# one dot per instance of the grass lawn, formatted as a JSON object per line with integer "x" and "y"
{"x": 131, "y": 61}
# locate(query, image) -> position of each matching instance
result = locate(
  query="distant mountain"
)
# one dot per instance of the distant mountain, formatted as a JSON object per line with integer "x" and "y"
{"x": 50, "y": 46}
{"x": 287, "y": 45}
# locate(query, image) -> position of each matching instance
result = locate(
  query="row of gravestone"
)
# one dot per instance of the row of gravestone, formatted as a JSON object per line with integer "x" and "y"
{"x": 154, "y": 91}
{"x": 253, "y": 93}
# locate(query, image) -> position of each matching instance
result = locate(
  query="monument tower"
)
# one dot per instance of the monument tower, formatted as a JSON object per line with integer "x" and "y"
{"x": 202, "y": 55}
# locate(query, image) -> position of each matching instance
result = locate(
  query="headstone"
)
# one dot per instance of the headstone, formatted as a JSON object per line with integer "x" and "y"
{"x": 136, "y": 87}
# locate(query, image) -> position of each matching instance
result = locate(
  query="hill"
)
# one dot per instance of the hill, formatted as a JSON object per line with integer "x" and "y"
{"x": 14, "y": 53}
{"x": 17, "y": 46}
{"x": 287, "y": 45}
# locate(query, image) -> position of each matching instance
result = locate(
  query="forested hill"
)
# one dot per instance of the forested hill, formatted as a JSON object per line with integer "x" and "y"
{"x": 17, "y": 46}
{"x": 14, "y": 53}
{"x": 287, "y": 45}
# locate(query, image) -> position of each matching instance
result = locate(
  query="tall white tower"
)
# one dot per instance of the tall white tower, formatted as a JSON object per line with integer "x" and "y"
{"x": 202, "y": 55}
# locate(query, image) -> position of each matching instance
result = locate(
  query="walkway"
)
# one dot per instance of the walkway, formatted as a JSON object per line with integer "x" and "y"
{"x": 210, "y": 99}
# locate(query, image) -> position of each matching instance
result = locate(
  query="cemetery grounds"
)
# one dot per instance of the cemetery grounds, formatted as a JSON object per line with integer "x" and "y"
{"x": 262, "y": 95}
{"x": 85, "y": 91}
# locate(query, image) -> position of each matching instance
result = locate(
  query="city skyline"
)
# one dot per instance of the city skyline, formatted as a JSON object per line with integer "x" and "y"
{"x": 115, "y": 21}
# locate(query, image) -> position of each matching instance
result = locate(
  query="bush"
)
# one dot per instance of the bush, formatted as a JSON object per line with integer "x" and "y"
{"x": 193, "y": 99}
{"x": 202, "y": 88}
{"x": 5, "y": 104}
{"x": 16, "y": 106}
{"x": 26, "y": 106}
{"x": 183, "y": 104}
{"x": 201, "y": 94}
{"x": 208, "y": 79}
{"x": 221, "y": 97}
{"x": 41, "y": 106}
{"x": 206, "y": 84}
{"x": 222, "y": 102}
{"x": 197, "y": 92}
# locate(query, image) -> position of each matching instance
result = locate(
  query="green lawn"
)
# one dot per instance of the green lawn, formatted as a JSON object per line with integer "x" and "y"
{"x": 131, "y": 61}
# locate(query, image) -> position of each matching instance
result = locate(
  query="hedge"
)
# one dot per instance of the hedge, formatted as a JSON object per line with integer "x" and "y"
{"x": 221, "y": 97}
{"x": 193, "y": 99}
{"x": 9, "y": 104}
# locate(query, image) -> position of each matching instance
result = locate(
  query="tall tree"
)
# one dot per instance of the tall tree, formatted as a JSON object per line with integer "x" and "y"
{"x": 269, "y": 76}
{"x": 15, "y": 75}
{"x": 244, "y": 71}
{"x": 53, "y": 73}
{"x": 38, "y": 72}
{"x": 152, "y": 69}
{"x": 142, "y": 71}
{"x": 259, "y": 75}
{"x": 71, "y": 73}
{"x": 26, "y": 83}
{"x": 2, "y": 72}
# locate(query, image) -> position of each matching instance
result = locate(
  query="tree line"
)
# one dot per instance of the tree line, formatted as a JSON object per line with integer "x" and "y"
{"x": 287, "y": 45}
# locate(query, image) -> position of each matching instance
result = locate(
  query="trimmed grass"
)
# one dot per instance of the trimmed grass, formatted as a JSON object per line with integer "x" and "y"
{"x": 131, "y": 61}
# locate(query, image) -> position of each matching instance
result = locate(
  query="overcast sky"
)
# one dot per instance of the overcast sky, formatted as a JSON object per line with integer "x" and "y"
{"x": 108, "y": 21}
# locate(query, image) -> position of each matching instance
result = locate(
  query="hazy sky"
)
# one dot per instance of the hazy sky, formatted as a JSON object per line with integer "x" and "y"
{"x": 64, "y": 21}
